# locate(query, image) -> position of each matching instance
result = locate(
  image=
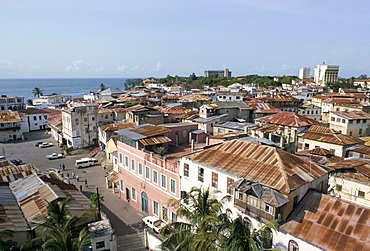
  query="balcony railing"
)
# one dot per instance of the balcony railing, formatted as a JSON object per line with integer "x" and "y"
{"x": 10, "y": 128}
{"x": 253, "y": 211}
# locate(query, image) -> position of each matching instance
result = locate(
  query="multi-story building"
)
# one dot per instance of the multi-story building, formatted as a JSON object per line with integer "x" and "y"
{"x": 52, "y": 99}
{"x": 354, "y": 123}
{"x": 37, "y": 119}
{"x": 10, "y": 126}
{"x": 310, "y": 111}
{"x": 147, "y": 180}
{"x": 304, "y": 73}
{"x": 266, "y": 183}
{"x": 80, "y": 125}
{"x": 140, "y": 115}
{"x": 283, "y": 102}
{"x": 11, "y": 103}
{"x": 217, "y": 73}
{"x": 326, "y": 73}
{"x": 329, "y": 139}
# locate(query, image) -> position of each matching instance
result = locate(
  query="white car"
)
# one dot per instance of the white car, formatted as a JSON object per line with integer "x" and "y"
{"x": 54, "y": 156}
{"x": 45, "y": 144}
{"x": 153, "y": 223}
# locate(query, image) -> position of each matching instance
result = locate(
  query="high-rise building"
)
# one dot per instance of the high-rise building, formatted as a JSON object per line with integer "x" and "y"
{"x": 218, "y": 73}
{"x": 326, "y": 73}
{"x": 304, "y": 72}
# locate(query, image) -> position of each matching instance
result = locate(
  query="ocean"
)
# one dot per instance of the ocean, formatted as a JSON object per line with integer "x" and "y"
{"x": 77, "y": 87}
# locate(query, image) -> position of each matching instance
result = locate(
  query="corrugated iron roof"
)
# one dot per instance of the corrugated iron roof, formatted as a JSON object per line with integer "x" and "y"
{"x": 11, "y": 172}
{"x": 360, "y": 165}
{"x": 279, "y": 98}
{"x": 289, "y": 119}
{"x": 143, "y": 131}
{"x": 195, "y": 97}
{"x": 360, "y": 149}
{"x": 117, "y": 126}
{"x": 274, "y": 168}
{"x": 154, "y": 140}
{"x": 333, "y": 138}
{"x": 330, "y": 223}
{"x": 9, "y": 117}
{"x": 353, "y": 115}
{"x": 264, "y": 108}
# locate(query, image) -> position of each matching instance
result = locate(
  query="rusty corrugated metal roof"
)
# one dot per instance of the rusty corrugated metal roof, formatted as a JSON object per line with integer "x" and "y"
{"x": 289, "y": 119}
{"x": 149, "y": 130}
{"x": 279, "y": 98}
{"x": 274, "y": 168}
{"x": 353, "y": 115}
{"x": 195, "y": 97}
{"x": 264, "y": 108}
{"x": 154, "y": 140}
{"x": 9, "y": 117}
{"x": 330, "y": 223}
{"x": 360, "y": 165}
{"x": 334, "y": 138}
{"x": 117, "y": 126}
{"x": 11, "y": 172}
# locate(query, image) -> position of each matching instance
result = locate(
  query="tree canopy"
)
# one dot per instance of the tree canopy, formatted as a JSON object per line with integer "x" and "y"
{"x": 37, "y": 92}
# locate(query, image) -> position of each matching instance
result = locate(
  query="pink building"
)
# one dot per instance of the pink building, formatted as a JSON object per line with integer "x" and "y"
{"x": 147, "y": 180}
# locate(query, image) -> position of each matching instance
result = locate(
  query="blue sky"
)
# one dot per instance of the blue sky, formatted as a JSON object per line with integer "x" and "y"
{"x": 154, "y": 38}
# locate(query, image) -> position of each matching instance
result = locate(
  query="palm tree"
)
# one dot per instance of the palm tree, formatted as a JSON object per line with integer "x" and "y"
{"x": 60, "y": 230}
{"x": 8, "y": 244}
{"x": 37, "y": 92}
{"x": 102, "y": 87}
{"x": 194, "y": 208}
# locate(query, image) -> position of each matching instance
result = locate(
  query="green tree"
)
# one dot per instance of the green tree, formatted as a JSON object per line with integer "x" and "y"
{"x": 5, "y": 240}
{"x": 102, "y": 87}
{"x": 29, "y": 102}
{"x": 194, "y": 208}
{"x": 37, "y": 92}
{"x": 96, "y": 200}
{"x": 160, "y": 150}
{"x": 60, "y": 230}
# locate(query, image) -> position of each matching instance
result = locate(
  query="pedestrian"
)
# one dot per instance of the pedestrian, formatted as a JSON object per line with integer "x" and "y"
{"x": 67, "y": 175}
{"x": 60, "y": 167}
{"x": 73, "y": 175}
{"x": 63, "y": 167}
{"x": 86, "y": 184}
{"x": 80, "y": 187}
{"x": 77, "y": 178}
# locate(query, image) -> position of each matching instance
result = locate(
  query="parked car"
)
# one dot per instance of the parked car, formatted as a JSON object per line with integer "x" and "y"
{"x": 16, "y": 161}
{"x": 45, "y": 144}
{"x": 85, "y": 162}
{"x": 153, "y": 223}
{"x": 54, "y": 156}
{"x": 38, "y": 143}
{"x": 2, "y": 158}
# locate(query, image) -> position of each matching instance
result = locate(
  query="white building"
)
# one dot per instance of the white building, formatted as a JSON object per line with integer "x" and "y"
{"x": 80, "y": 125}
{"x": 326, "y": 73}
{"x": 37, "y": 119}
{"x": 11, "y": 103}
{"x": 218, "y": 73}
{"x": 52, "y": 99}
{"x": 304, "y": 72}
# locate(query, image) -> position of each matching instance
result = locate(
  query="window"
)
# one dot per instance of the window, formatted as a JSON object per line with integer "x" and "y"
{"x": 361, "y": 194}
{"x": 133, "y": 193}
{"x": 350, "y": 133}
{"x": 229, "y": 213}
{"x": 186, "y": 170}
{"x": 295, "y": 201}
{"x": 200, "y": 174}
{"x": 100, "y": 244}
{"x": 120, "y": 158}
{"x": 133, "y": 165}
{"x": 230, "y": 190}
{"x": 338, "y": 187}
{"x": 164, "y": 181}
{"x": 164, "y": 214}
{"x": 247, "y": 223}
{"x": 269, "y": 209}
{"x": 173, "y": 186}
{"x": 147, "y": 172}
{"x": 343, "y": 121}
{"x": 126, "y": 161}
{"x": 155, "y": 176}
{"x": 215, "y": 180}
{"x": 173, "y": 217}
{"x": 121, "y": 185}
{"x": 293, "y": 246}
{"x": 338, "y": 119}
{"x": 184, "y": 133}
{"x": 360, "y": 131}
{"x": 350, "y": 122}
{"x": 317, "y": 112}
{"x": 77, "y": 122}
{"x": 140, "y": 169}
{"x": 155, "y": 208}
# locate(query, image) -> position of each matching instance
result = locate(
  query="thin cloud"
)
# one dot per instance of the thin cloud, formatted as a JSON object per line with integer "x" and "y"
{"x": 121, "y": 68}
{"x": 5, "y": 64}
{"x": 157, "y": 68}
{"x": 78, "y": 65}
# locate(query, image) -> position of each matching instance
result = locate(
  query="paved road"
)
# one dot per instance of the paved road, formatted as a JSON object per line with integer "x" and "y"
{"x": 124, "y": 218}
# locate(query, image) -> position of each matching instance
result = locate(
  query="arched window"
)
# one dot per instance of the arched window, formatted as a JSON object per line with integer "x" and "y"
{"x": 293, "y": 246}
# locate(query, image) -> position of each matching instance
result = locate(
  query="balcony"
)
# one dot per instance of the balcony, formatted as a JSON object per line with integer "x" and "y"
{"x": 252, "y": 211}
{"x": 8, "y": 128}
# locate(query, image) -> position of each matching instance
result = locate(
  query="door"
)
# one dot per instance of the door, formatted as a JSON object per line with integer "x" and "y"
{"x": 127, "y": 194}
{"x": 144, "y": 202}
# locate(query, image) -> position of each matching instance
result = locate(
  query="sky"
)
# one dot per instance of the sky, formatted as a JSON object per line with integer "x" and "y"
{"x": 156, "y": 38}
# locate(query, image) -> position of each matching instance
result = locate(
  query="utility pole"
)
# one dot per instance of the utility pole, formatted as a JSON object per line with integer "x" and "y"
{"x": 99, "y": 213}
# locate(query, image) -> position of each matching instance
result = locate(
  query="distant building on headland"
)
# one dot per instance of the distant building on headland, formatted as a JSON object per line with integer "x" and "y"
{"x": 326, "y": 73}
{"x": 218, "y": 73}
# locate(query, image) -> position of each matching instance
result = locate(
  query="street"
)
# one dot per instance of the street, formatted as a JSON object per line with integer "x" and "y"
{"x": 124, "y": 219}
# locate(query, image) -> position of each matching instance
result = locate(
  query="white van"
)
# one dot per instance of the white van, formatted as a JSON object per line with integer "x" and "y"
{"x": 85, "y": 162}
